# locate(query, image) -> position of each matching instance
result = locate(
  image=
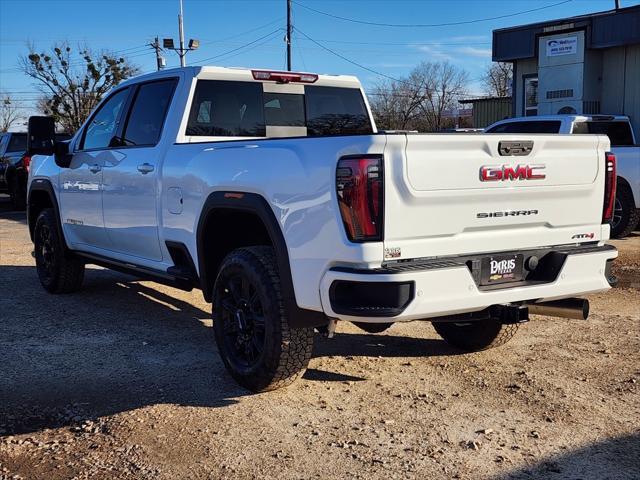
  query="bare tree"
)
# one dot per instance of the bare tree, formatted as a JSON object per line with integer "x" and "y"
{"x": 444, "y": 84}
{"x": 419, "y": 101}
{"x": 497, "y": 79}
{"x": 395, "y": 105}
{"x": 9, "y": 112}
{"x": 73, "y": 84}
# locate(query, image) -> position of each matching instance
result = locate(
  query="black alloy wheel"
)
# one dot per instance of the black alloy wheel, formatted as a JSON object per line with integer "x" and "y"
{"x": 243, "y": 320}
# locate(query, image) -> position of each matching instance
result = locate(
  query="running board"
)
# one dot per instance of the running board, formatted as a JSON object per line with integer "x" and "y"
{"x": 170, "y": 278}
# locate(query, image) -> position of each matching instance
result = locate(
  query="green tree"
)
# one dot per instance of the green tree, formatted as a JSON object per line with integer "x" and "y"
{"x": 73, "y": 84}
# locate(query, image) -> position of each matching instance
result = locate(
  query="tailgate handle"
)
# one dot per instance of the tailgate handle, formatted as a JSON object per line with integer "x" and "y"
{"x": 515, "y": 148}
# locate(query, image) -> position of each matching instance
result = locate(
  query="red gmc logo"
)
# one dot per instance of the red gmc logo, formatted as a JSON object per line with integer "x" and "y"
{"x": 489, "y": 173}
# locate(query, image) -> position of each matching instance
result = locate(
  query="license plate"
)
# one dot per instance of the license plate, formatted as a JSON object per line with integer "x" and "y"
{"x": 501, "y": 269}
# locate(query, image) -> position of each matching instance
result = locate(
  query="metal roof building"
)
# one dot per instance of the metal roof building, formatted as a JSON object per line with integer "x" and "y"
{"x": 584, "y": 64}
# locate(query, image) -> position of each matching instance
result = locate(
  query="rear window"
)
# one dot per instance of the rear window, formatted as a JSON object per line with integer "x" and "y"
{"x": 540, "y": 126}
{"x": 242, "y": 109}
{"x": 619, "y": 133}
{"x": 17, "y": 143}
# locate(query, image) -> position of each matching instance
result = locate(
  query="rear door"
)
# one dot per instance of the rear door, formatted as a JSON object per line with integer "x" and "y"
{"x": 449, "y": 195}
{"x": 130, "y": 180}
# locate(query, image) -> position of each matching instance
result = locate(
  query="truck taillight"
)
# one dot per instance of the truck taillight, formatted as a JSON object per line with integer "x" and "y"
{"x": 609, "y": 187}
{"x": 359, "y": 183}
{"x": 26, "y": 162}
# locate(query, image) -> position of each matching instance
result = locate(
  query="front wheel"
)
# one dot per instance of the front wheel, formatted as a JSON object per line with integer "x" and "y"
{"x": 250, "y": 324}
{"x": 476, "y": 335}
{"x": 58, "y": 270}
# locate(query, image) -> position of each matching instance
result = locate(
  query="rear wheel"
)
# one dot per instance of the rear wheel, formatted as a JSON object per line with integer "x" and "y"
{"x": 477, "y": 335}
{"x": 58, "y": 270}
{"x": 250, "y": 324}
{"x": 625, "y": 214}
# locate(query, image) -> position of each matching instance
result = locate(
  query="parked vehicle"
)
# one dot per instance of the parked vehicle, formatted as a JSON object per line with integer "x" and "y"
{"x": 14, "y": 166}
{"x": 626, "y": 216}
{"x": 274, "y": 194}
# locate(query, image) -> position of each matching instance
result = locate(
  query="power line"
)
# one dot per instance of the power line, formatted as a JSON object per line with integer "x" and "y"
{"x": 425, "y": 25}
{"x": 345, "y": 58}
{"x": 359, "y": 65}
{"x": 241, "y": 47}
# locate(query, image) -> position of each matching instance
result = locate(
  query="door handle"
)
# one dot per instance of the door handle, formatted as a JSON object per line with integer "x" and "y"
{"x": 95, "y": 168}
{"x": 145, "y": 168}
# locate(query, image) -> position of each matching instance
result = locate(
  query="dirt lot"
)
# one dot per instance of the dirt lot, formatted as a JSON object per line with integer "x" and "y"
{"x": 123, "y": 380}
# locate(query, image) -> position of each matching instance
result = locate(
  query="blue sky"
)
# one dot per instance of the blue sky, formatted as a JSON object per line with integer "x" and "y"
{"x": 225, "y": 26}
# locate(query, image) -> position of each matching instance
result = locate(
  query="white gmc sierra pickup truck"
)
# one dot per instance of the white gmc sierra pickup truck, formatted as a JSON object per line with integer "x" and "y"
{"x": 274, "y": 194}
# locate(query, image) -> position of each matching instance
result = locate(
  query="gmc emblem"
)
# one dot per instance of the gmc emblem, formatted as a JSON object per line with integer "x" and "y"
{"x": 489, "y": 173}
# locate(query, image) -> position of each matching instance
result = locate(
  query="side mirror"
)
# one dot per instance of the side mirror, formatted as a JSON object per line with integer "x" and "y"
{"x": 41, "y": 137}
{"x": 62, "y": 156}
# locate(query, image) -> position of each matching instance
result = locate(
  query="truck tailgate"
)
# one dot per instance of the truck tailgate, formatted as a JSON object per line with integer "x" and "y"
{"x": 469, "y": 193}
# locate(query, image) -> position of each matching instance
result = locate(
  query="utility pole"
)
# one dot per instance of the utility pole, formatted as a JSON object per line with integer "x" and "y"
{"x": 617, "y": 4}
{"x": 160, "y": 61}
{"x": 181, "y": 52}
{"x": 288, "y": 35}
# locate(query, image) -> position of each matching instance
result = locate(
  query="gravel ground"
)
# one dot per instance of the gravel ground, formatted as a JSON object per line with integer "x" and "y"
{"x": 123, "y": 380}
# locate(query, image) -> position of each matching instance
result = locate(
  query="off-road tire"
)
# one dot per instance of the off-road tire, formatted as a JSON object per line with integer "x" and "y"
{"x": 17, "y": 194}
{"x": 477, "y": 335}
{"x": 284, "y": 353}
{"x": 59, "y": 270}
{"x": 373, "y": 327}
{"x": 630, "y": 215}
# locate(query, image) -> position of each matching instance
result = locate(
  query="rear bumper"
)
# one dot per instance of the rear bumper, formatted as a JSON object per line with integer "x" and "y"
{"x": 447, "y": 286}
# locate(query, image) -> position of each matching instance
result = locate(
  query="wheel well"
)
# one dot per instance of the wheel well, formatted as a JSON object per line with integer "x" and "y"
{"x": 224, "y": 231}
{"x": 38, "y": 201}
{"x": 623, "y": 184}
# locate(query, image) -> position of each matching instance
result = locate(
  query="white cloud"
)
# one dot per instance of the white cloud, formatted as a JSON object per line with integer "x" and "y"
{"x": 475, "y": 51}
{"x": 468, "y": 38}
{"x": 435, "y": 52}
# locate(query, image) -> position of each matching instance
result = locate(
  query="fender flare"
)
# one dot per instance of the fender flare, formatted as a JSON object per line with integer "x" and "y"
{"x": 257, "y": 205}
{"x": 43, "y": 185}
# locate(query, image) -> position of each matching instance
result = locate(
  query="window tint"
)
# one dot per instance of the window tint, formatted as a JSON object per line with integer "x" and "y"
{"x": 284, "y": 109}
{"x": 148, "y": 112}
{"x": 334, "y": 110}
{"x": 619, "y": 133}
{"x": 227, "y": 109}
{"x": 17, "y": 142}
{"x": 104, "y": 124}
{"x": 540, "y": 126}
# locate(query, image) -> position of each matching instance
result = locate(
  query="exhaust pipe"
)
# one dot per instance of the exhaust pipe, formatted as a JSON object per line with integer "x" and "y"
{"x": 577, "y": 308}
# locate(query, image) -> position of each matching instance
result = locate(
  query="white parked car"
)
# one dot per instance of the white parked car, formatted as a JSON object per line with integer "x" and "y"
{"x": 626, "y": 215}
{"x": 274, "y": 194}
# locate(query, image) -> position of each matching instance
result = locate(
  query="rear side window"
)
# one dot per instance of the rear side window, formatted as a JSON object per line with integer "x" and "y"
{"x": 227, "y": 109}
{"x": 619, "y": 133}
{"x": 540, "y": 126}
{"x": 336, "y": 111}
{"x": 148, "y": 112}
{"x": 17, "y": 143}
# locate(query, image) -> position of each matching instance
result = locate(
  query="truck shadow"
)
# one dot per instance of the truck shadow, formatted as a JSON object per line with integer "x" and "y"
{"x": 119, "y": 345}
{"x": 612, "y": 458}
